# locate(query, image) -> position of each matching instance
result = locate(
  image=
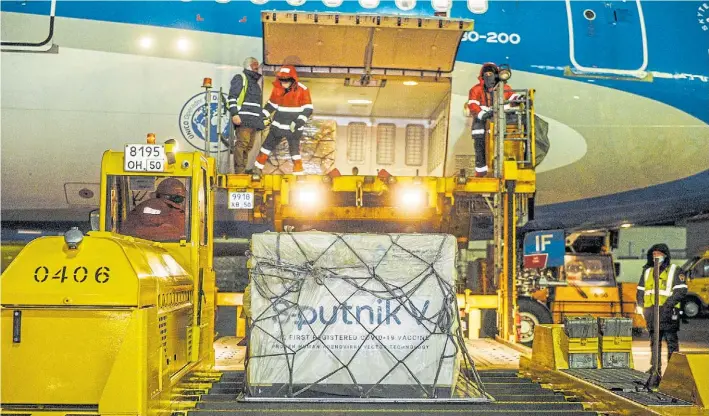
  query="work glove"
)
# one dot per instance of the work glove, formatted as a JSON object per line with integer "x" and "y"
{"x": 484, "y": 115}
{"x": 296, "y": 125}
{"x": 466, "y": 110}
{"x": 517, "y": 97}
{"x": 266, "y": 121}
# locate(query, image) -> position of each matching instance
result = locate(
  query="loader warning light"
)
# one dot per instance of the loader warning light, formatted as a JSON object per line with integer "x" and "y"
{"x": 151, "y": 138}
{"x": 207, "y": 83}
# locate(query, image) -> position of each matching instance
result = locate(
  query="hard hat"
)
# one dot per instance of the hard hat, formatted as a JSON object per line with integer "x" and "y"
{"x": 171, "y": 186}
{"x": 172, "y": 191}
{"x": 285, "y": 73}
{"x": 489, "y": 66}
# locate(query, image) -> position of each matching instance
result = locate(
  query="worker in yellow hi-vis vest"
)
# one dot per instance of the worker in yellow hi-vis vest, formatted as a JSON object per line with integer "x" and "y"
{"x": 245, "y": 97}
{"x": 672, "y": 288}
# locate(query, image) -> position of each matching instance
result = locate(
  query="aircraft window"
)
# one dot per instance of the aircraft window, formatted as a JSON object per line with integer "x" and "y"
{"x": 386, "y": 142}
{"x": 356, "y": 133}
{"x": 259, "y": 1}
{"x": 369, "y": 4}
{"x": 150, "y": 207}
{"x": 589, "y": 270}
{"x": 441, "y": 5}
{"x": 414, "y": 145}
{"x": 477, "y": 6}
{"x": 295, "y": 2}
{"x": 589, "y": 14}
{"x": 332, "y": 3}
{"x": 405, "y": 4}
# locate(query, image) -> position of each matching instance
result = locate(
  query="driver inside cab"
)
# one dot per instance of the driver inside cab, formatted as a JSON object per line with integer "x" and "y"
{"x": 161, "y": 218}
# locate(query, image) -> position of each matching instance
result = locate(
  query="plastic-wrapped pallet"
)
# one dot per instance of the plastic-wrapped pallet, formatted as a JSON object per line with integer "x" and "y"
{"x": 317, "y": 148}
{"x": 358, "y": 315}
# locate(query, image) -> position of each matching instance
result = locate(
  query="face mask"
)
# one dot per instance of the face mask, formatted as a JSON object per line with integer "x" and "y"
{"x": 661, "y": 259}
{"x": 489, "y": 80}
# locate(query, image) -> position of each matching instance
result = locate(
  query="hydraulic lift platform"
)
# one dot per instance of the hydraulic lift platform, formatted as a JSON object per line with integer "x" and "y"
{"x": 207, "y": 394}
{"x": 531, "y": 390}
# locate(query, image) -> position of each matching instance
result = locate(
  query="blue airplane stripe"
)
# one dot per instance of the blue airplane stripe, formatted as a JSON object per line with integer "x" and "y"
{"x": 535, "y": 22}
{"x": 676, "y": 199}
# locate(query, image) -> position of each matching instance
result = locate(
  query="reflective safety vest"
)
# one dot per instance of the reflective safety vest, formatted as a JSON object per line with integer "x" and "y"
{"x": 667, "y": 278}
{"x": 242, "y": 94}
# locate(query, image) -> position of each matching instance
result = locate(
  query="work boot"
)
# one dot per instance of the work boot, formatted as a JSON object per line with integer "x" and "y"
{"x": 261, "y": 160}
{"x": 298, "y": 167}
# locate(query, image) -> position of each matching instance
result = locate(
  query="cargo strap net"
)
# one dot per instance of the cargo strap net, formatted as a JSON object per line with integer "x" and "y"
{"x": 356, "y": 316}
{"x": 317, "y": 148}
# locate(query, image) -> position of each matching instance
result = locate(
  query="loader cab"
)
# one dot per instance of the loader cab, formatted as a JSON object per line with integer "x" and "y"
{"x": 589, "y": 270}
{"x": 153, "y": 192}
{"x": 138, "y": 209}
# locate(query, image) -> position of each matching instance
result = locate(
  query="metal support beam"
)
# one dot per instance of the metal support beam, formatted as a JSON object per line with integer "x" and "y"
{"x": 509, "y": 294}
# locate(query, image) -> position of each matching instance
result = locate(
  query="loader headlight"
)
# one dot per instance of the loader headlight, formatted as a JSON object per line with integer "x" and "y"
{"x": 308, "y": 196}
{"x": 505, "y": 72}
{"x": 412, "y": 198}
{"x": 170, "y": 150}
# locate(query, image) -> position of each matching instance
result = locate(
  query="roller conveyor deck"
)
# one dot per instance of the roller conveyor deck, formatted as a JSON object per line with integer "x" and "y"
{"x": 512, "y": 394}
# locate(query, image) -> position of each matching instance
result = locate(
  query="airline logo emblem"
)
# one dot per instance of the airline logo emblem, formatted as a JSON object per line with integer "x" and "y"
{"x": 192, "y": 122}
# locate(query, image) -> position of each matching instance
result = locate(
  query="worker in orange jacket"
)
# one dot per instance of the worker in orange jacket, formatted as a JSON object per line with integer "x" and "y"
{"x": 161, "y": 218}
{"x": 291, "y": 107}
{"x": 479, "y": 106}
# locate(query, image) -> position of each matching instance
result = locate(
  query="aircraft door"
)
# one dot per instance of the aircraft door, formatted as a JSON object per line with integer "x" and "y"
{"x": 607, "y": 38}
{"x": 30, "y": 29}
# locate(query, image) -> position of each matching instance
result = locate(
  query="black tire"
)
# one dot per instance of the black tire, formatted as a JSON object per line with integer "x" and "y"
{"x": 692, "y": 307}
{"x": 531, "y": 313}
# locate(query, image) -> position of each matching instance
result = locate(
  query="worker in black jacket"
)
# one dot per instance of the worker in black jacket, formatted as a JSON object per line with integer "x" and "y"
{"x": 245, "y": 97}
{"x": 672, "y": 288}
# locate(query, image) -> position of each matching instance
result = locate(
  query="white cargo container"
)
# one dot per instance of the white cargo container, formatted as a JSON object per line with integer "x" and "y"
{"x": 353, "y": 314}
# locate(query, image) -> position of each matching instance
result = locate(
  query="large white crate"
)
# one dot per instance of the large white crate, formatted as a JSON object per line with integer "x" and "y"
{"x": 371, "y": 314}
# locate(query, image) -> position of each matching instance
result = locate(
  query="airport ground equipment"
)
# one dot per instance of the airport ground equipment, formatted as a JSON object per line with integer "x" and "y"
{"x": 585, "y": 284}
{"x": 120, "y": 311}
{"x": 143, "y": 311}
{"x": 697, "y": 299}
{"x": 617, "y": 388}
{"x": 107, "y": 323}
